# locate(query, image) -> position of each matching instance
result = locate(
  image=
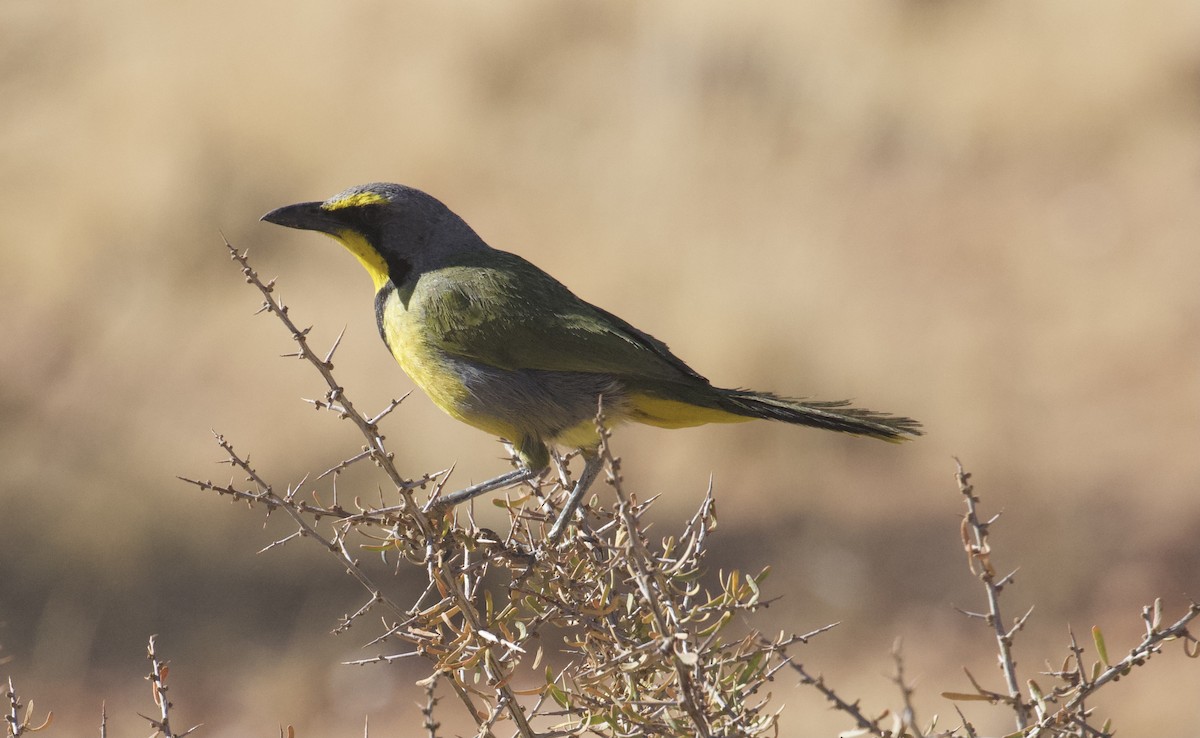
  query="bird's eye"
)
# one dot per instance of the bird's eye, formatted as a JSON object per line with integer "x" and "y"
{"x": 369, "y": 220}
{"x": 370, "y": 213}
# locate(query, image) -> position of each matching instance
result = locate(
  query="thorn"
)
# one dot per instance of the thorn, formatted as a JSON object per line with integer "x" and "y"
{"x": 337, "y": 342}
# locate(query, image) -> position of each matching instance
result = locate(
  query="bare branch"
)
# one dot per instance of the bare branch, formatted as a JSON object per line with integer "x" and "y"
{"x": 975, "y": 543}
{"x": 158, "y": 690}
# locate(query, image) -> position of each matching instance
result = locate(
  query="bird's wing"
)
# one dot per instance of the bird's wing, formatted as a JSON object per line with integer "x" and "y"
{"x": 502, "y": 311}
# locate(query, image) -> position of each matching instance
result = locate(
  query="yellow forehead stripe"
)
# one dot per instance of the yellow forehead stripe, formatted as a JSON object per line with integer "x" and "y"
{"x": 358, "y": 199}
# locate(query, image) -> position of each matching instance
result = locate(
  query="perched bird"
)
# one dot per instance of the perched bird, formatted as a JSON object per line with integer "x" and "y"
{"x": 501, "y": 345}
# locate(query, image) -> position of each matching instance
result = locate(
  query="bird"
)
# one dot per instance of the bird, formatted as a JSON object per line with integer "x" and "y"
{"x": 501, "y": 345}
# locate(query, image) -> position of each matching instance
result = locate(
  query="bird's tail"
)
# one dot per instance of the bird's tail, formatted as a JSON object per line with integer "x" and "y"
{"x": 837, "y": 415}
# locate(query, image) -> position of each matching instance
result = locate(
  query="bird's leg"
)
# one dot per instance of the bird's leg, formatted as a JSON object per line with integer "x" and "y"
{"x": 515, "y": 476}
{"x": 591, "y": 467}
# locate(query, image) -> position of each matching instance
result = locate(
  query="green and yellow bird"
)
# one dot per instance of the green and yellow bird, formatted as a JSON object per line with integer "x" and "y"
{"x": 501, "y": 345}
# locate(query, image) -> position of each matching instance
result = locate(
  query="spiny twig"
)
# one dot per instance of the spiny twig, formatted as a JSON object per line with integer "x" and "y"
{"x": 158, "y": 690}
{"x": 975, "y": 543}
{"x": 19, "y": 724}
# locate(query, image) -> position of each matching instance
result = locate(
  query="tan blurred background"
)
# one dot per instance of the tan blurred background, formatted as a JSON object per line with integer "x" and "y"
{"x": 981, "y": 214}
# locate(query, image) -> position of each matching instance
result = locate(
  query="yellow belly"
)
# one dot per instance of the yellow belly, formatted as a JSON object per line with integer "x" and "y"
{"x": 428, "y": 367}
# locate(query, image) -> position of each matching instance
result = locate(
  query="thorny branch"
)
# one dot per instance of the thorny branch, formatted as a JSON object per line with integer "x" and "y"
{"x": 975, "y": 542}
{"x": 1060, "y": 711}
{"x": 1078, "y": 686}
{"x": 158, "y": 689}
{"x": 648, "y": 639}
{"x": 18, "y": 724}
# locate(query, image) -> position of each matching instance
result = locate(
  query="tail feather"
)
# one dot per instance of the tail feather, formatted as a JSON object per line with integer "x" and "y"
{"x": 835, "y": 415}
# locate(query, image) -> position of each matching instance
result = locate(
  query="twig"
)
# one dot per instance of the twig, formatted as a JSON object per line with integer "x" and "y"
{"x": 975, "y": 543}
{"x": 1141, "y": 653}
{"x": 18, "y": 725}
{"x": 158, "y": 690}
{"x": 908, "y": 719}
{"x": 841, "y": 705}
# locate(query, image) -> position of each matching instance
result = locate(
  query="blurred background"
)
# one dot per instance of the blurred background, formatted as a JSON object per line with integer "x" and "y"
{"x": 983, "y": 215}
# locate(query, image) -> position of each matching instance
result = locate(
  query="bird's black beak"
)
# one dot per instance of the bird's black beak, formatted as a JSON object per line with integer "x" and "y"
{"x": 308, "y": 216}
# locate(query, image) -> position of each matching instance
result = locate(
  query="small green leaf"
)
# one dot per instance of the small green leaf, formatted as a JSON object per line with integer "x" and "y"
{"x": 750, "y": 669}
{"x": 725, "y": 618}
{"x": 1036, "y": 691}
{"x": 557, "y": 694}
{"x": 1101, "y": 649}
{"x": 966, "y": 697}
